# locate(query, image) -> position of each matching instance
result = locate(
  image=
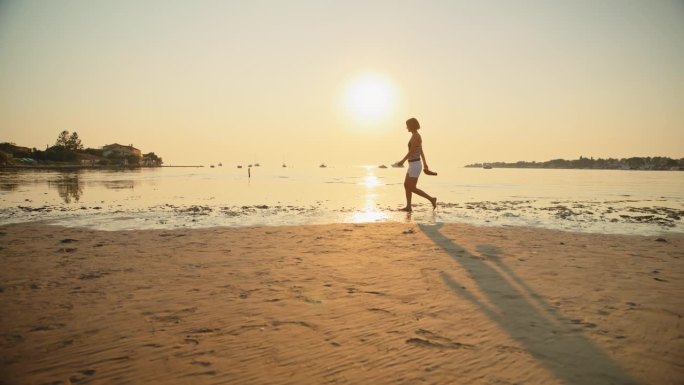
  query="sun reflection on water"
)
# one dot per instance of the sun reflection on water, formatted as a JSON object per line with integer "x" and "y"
{"x": 370, "y": 211}
{"x": 371, "y": 181}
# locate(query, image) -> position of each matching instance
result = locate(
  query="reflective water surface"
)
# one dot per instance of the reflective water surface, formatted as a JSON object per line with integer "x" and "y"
{"x": 632, "y": 202}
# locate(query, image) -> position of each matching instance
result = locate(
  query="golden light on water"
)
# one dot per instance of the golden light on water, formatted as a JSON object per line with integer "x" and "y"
{"x": 371, "y": 181}
{"x": 369, "y": 212}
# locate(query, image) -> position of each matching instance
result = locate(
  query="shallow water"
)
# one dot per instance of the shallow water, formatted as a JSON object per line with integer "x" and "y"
{"x": 628, "y": 202}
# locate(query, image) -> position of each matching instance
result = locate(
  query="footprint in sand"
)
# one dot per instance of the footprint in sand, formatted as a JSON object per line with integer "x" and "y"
{"x": 379, "y": 310}
{"x": 581, "y": 322}
{"x": 277, "y": 324}
{"x": 607, "y": 310}
{"x": 509, "y": 349}
{"x": 169, "y": 316}
{"x": 41, "y": 328}
{"x": 83, "y": 376}
{"x": 10, "y": 340}
{"x": 246, "y": 328}
{"x": 94, "y": 275}
{"x": 207, "y": 373}
{"x": 433, "y": 340}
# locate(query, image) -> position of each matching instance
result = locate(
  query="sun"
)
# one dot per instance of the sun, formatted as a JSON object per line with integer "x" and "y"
{"x": 370, "y": 98}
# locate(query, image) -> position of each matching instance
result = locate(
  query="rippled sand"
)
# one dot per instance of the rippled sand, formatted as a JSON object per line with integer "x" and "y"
{"x": 333, "y": 304}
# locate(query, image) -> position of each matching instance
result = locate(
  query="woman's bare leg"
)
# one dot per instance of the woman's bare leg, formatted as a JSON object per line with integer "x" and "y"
{"x": 410, "y": 188}
{"x": 422, "y": 193}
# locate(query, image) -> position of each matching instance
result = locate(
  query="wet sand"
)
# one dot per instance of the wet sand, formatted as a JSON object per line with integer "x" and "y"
{"x": 382, "y": 303}
{"x": 623, "y": 216}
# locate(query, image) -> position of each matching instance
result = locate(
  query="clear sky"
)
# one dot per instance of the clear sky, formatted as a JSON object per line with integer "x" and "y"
{"x": 199, "y": 82}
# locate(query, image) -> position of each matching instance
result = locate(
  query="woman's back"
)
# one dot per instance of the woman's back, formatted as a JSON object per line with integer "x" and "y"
{"x": 415, "y": 146}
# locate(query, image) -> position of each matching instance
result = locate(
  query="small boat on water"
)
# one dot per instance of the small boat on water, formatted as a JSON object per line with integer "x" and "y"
{"x": 212, "y": 166}
{"x": 322, "y": 165}
{"x": 257, "y": 165}
{"x": 284, "y": 165}
{"x": 382, "y": 166}
{"x": 487, "y": 166}
{"x": 239, "y": 166}
{"x": 220, "y": 164}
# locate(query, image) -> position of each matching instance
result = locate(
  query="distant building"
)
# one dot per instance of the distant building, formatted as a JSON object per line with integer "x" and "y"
{"x": 88, "y": 159}
{"x": 120, "y": 150}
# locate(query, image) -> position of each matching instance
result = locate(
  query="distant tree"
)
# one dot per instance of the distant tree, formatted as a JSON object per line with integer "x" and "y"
{"x": 582, "y": 162}
{"x": 643, "y": 163}
{"x": 153, "y": 159}
{"x": 63, "y": 139}
{"x": 557, "y": 163}
{"x": 133, "y": 160}
{"x": 59, "y": 154}
{"x": 38, "y": 154}
{"x": 670, "y": 163}
{"x": 70, "y": 141}
{"x": 74, "y": 142}
{"x": 601, "y": 163}
{"x": 635, "y": 162}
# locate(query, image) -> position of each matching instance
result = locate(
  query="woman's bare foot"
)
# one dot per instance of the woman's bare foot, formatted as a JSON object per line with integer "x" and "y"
{"x": 434, "y": 202}
{"x": 407, "y": 209}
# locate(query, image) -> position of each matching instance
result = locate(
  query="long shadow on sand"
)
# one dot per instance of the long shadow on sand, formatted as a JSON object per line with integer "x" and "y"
{"x": 553, "y": 340}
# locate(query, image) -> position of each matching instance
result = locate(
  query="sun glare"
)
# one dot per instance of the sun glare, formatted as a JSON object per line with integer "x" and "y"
{"x": 370, "y": 98}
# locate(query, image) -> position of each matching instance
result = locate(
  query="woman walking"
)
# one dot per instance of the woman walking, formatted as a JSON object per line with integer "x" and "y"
{"x": 417, "y": 163}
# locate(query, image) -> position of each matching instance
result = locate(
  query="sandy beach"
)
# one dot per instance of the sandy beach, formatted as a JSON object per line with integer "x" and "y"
{"x": 382, "y": 303}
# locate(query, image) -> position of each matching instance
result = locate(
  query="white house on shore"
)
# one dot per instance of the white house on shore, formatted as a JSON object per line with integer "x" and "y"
{"x": 119, "y": 149}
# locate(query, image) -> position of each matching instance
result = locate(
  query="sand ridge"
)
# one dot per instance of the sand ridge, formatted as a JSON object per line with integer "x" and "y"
{"x": 346, "y": 303}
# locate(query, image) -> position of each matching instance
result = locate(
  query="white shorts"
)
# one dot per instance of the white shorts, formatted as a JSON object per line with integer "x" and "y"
{"x": 414, "y": 169}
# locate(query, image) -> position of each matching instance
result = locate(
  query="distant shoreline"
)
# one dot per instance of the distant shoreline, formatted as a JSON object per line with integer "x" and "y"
{"x": 184, "y": 166}
{"x": 648, "y": 163}
{"x": 81, "y": 167}
{"x": 572, "y": 168}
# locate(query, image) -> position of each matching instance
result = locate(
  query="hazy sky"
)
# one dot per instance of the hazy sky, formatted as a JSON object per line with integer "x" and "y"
{"x": 200, "y": 82}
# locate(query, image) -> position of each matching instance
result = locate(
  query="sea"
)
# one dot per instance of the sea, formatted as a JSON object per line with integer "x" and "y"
{"x": 596, "y": 201}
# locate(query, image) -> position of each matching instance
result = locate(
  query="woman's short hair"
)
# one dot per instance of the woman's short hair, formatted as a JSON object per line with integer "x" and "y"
{"x": 413, "y": 124}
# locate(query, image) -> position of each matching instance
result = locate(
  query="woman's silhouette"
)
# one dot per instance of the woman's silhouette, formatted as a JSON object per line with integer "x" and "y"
{"x": 415, "y": 157}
